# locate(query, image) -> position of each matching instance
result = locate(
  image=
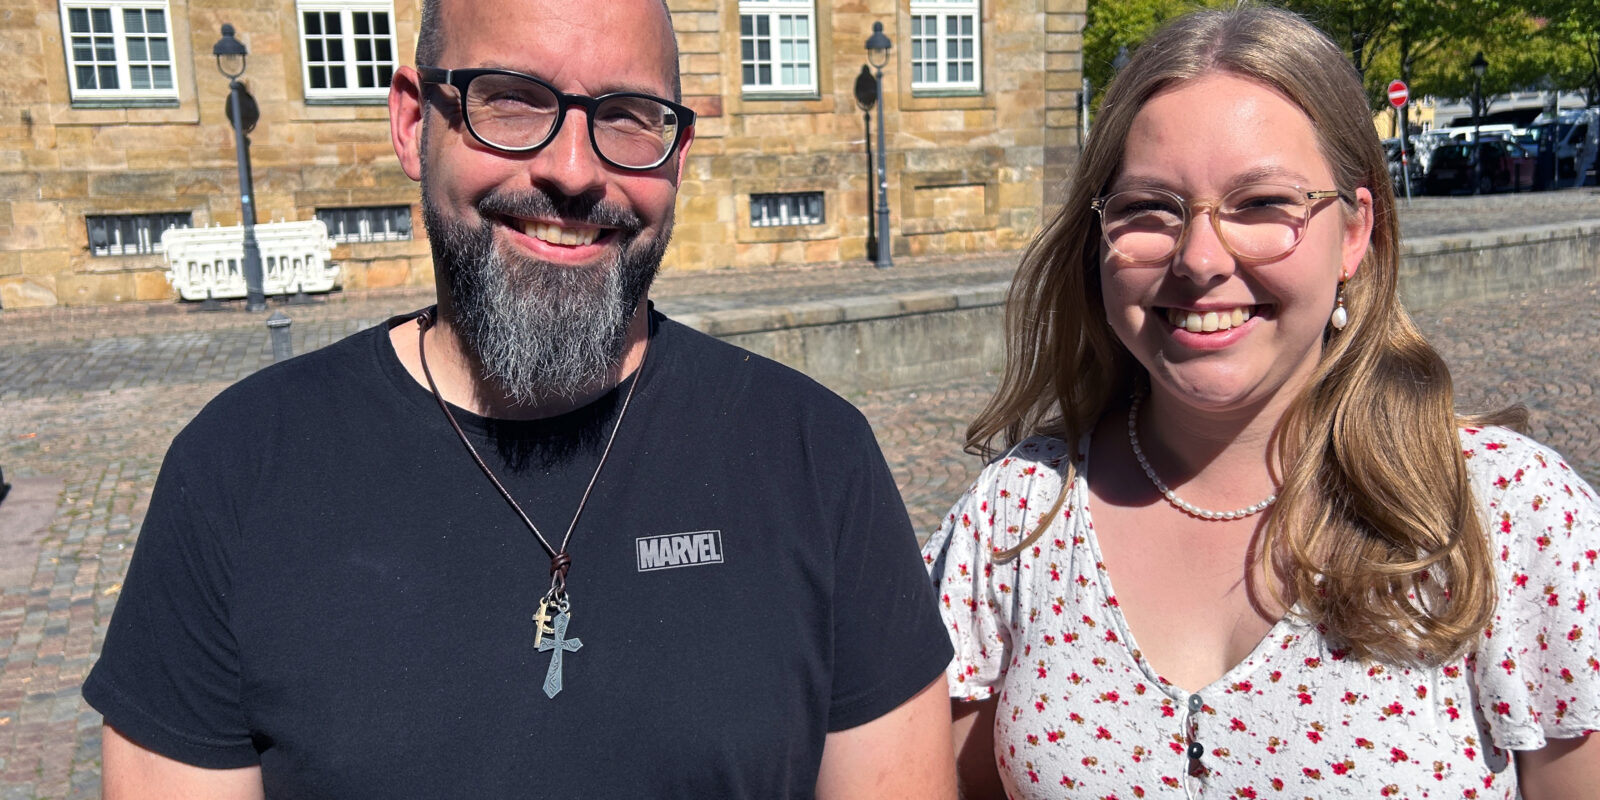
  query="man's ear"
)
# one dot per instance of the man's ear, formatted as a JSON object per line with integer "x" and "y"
{"x": 683, "y": 153}
{"x": 406, "y": 112}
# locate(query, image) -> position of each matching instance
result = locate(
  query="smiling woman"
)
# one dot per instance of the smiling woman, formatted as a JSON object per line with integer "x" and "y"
{"x": 1213, "y": 394}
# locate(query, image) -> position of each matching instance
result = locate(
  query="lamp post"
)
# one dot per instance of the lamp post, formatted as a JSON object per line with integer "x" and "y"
{"x": 231, "y": 53}
{"x": 866, "y": 96}
{"x": 878, "y": 54}
{"x": 1480, "y": 65}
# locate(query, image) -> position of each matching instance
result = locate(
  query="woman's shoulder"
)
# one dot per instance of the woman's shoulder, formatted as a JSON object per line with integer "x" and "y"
{"x": 1533, "y": 502}
{"x": 1500, "y": 460}
{"x": 1030, "y": 460}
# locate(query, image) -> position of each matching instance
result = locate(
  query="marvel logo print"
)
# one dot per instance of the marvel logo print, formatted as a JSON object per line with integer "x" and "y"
{"x": 679, "y": 550}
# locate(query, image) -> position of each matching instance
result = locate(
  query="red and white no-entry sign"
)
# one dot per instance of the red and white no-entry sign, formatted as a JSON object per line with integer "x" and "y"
{"x": 1398, "y": 94}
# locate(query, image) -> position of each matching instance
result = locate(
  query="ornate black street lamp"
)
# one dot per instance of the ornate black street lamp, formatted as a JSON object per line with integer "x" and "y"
{"x": 878, "y": 54}
{"x": 231, "y": 53}
{"x": 866, "y": 97}
{"x": 1480, "y": 65}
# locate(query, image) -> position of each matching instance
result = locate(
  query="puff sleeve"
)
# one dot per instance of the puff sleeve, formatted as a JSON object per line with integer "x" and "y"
{"x": 1538, "y": 665}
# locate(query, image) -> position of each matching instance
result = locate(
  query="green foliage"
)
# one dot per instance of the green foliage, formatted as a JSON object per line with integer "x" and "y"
{"x": 1542, "y": 44}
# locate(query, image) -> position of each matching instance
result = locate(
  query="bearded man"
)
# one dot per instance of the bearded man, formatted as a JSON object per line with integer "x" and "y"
{"x": 537, "y": 540}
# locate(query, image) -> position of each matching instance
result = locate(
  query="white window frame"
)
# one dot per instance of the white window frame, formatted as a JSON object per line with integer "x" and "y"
{"x": 788, "y": 70}
{"x": 394, "y": 219}
{"x": 776, "y": 209}
{"x": 348, "y": 39}
{"x": 125, "y": 67}
{"x": 945, "y": 45}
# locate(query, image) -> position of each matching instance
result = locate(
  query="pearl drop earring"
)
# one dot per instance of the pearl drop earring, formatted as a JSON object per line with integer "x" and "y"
{"x": 1340, "y": 317}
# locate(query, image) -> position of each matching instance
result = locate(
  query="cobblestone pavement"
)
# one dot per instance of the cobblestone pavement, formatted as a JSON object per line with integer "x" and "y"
{"x": 89, "y": 400}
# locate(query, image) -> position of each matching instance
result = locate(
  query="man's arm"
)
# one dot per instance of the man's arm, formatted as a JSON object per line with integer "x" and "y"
{"x": 130, "y": 772}
{"x": 974, "y": 734}
{"x": 904, "y": 753}
{"x": 1568, "y": 769}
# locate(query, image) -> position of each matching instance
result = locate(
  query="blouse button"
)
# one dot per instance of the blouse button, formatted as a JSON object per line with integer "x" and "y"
{"x": 1196, "y": 751}
{"x": 1195, "y": 702}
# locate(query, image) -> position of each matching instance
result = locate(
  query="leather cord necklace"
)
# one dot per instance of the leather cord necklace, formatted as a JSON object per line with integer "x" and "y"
{"x": 555, "y": 601}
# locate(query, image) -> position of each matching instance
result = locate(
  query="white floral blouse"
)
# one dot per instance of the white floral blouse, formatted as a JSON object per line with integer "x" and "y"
{"x": 1082, "y": 715}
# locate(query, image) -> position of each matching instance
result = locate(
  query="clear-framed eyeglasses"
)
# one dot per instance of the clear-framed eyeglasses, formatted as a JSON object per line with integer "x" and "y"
{"x": 1257, "y": 222}
{"x": 516, "y": 113}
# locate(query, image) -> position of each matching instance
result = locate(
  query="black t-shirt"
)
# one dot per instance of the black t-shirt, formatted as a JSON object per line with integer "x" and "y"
{"x": 325, "y": 584}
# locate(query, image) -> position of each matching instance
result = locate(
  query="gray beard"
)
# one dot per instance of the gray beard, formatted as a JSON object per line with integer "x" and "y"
{"x": 538, "y": 330}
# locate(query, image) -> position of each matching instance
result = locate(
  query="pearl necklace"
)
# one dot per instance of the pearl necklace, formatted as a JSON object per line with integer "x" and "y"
{"x": 1171, "y": 496}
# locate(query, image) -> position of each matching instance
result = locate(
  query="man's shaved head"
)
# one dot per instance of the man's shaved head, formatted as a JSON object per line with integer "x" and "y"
{"x": 430, "y": 42}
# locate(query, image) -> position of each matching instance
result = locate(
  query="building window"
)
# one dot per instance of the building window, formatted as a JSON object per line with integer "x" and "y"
{"x": 119, "y": 50}
{"x": 367, "y": 224}
{"x": 131, "y": 234}
{"x": 945, "y": 45}
{"x": 347, "y": 50}
{"x": 777, "y": 46}
{"x": 795, "y": 208}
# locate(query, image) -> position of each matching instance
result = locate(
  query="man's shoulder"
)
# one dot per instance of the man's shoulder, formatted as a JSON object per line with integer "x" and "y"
{"x": 298, "y": 388}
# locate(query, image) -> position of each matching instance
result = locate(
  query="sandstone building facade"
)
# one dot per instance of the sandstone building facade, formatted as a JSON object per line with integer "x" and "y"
{"x": 113, "y": 128}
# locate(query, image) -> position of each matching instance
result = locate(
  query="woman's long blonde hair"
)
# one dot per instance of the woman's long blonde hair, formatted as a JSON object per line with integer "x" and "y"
{"x": 1375, "y": 534}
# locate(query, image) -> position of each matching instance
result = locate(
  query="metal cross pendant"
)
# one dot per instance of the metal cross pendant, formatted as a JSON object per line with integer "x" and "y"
{"x": 558, "y": 645}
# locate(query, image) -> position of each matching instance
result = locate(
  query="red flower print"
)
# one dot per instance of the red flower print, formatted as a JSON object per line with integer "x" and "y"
{"x": 1341, "y": 767}
{"x": 1351, "y": 698}
{"x": 1275, "y": 676}
{"x": 1102, "y": 733}
{"x": 1053, "y": 736}
{"x": 1422, "y": 692}
{"x": 1246, "y": 792}
{"x": 1313, "y": 774}
{"x": 1503, "y": 709}
{"x": 1076, "y": 717}
{"x": 1110, "y": 697}
{"x": 1363, "y": 743}
{"x": 1033, "y": 741}
{"x": 1170, "y": 781}
{"x": 1313, "y": 663}
{"x": 1236, "y": 724}
{"x": 1396, "y": 755}
{"x": 1242, "y": 686}
{"x": 1305, "y": 698}
{"x": 1566, "y": 675}
{"x": 1393, "y": 709}
{"x": 1277, "y": 784}
{"x": 1315, "y": 737}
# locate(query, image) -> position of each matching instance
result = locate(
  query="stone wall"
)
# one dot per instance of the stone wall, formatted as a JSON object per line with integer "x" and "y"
{"x": 925, "y": 337}
{"x": 967, "y": 172}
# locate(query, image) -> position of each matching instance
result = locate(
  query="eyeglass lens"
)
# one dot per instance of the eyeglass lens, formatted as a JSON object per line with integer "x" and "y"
{"x": 1257, "y": 222}
{"x": 516, "y": 113}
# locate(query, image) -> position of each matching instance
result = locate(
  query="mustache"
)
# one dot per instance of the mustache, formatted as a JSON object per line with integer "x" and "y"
{"x": 539, "y": 203}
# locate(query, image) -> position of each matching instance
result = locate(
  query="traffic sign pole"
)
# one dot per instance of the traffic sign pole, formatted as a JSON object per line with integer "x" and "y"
{"x": 1399, "y": 95}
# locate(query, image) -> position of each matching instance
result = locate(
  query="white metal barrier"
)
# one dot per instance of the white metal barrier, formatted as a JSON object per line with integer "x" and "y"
{"x": 209, "y": 262}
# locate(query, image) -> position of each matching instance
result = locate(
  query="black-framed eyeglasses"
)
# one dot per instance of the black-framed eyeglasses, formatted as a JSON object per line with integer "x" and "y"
{"x": 516, "y": 113}
{"x": 1258, "y": 222}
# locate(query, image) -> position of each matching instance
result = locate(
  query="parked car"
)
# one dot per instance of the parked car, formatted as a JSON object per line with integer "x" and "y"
{"x": 1391, "y": 151}
{"x": 1503, "y": 165}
